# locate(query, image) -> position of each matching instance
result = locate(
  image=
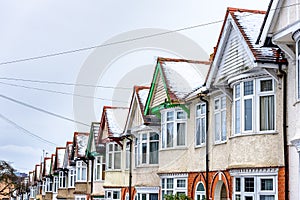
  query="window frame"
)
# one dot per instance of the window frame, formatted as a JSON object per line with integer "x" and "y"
{"x": 62, "y": 183}
{"x": 55, "y": 184}
{"x": 200, "y": 117}
{"x": 220, "y": 111}
{"x": 111, "y": 192}
{"x": 173, "y": 144}
{"x": 200, "y": 193}
{"x": 115, "y": 150}
{"x": 145, "y": 138}
{"x": 255, "y": 98}
{"x": 297, "y": 69}
{"x": 81, "y": 171}
{"x": 71, "y": 178}
{"x": 175, "y": 189}
{"x": 48, "y": 185}
{"x": 98, "y": 168}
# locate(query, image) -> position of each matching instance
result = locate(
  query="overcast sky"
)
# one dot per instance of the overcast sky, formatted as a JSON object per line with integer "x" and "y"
{"x": 36, "y": 28}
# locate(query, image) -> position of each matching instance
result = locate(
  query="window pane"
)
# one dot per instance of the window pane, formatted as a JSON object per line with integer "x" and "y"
{"x": 200, "y": 187}
{"x": 267, "y": 115}
{"x": 217, "y": 126}
{"x": 153, "y": 153}
{"x": 180, "y": 115}
{"x": 180, "y": 134}
{"x": 170, "y": 116}
{"x": 198, "y": 132}
{"x": 217, "y": 104}
{"x": 203, "y": 130}
{"x": 249, "y": 185}
{"x": 181, "y": 183}
{"x": 117, "y": 160}
{"x": 248, "y": 88}
{"x": 154, "y": 136}
{"x": 237, "y": 117}
{"x": 203, "y": 108}
{"x": 153, "y": 197}
{"x": 248, "y": 114}
{"x": 169, "y": 183}
{"x": 170, "y": 134}
{"x": 266, "y": 85}
{"x": 237, "y": 184}
{"x": 223, "y": 102}
{"x": 144, "y": 152}
{"x": 237, "y": 91}
{"x": 198, "y": 110}
{"x": 249, "y": 198}
{"x": 223, "y": 125}
{"x": 163, "y": 136}
{"x": 267, "y": 197}
{"x": 266, "y": 184}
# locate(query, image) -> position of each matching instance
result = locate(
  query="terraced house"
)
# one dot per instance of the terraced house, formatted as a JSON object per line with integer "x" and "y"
{"x": 212, "y": 129}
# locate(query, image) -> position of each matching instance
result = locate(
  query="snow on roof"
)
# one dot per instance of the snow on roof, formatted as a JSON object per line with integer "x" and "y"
{"x": 249, "y": 22}
{"x": 143, "y": 94}
{"x": 60, "y": 157}
{"x": 184, "y": 77}
{"x": 115, "y": 117}
{"x": 81, "y": 145}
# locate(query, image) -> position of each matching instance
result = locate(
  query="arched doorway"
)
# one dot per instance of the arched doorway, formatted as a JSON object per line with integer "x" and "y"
{"x": 220, "y": 191}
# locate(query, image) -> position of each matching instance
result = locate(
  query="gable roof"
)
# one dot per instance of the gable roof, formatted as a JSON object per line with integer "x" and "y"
{"x": 47, "y": 166}
{"x": 80, "y": 141}
{"x": 59, "y": 158}
{"x": 174, "y": 80}
{"x": 137, "y": 104}
{"x": 67, "y": 155}
{"x": 112, "y": 120}
{"x": 93, "y": 139}
{"x": 245, "y": 24}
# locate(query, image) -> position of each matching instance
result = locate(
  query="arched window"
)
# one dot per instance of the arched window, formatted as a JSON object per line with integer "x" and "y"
{"x": 200, "y": 192}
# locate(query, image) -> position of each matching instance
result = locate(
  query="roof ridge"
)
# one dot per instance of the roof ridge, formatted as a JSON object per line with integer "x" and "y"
{"x": 162, "y": 59}
{"x": 232, "y": 9}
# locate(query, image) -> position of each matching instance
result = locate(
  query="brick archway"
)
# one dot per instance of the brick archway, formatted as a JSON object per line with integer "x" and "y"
{"x": 220, "y": 187}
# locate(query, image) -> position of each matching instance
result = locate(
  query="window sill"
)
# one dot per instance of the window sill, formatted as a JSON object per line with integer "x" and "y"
{"x": 174, "y": 148}
{"x": 148, "y": 166}
{"x": 254, "y": 133}
{"x": 200, "y": 146}
{"x": 220, "y": 142}
{"x": 114, "y": 170}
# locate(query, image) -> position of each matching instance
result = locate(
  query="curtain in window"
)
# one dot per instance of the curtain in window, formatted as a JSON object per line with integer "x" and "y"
{"x": 267, "y": 113}
{"x": 198, "y": 132}
{"x": 180, "y": 134}
{"x": 170, "y": 134}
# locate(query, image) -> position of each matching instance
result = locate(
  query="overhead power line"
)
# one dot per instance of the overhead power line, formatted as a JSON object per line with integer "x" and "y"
{"x": 63, "y": 83}
{"x": 124, "y": 41}
{"x": 64, "y": 93}
{"x": 42, "y": 110}
{"x": 26, "y": 131}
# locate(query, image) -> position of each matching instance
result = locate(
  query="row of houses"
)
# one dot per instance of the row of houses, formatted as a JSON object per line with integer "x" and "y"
{"x": 226, "y": 128}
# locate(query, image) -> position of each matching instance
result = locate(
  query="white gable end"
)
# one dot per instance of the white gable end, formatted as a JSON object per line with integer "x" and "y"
{"x": 234, "y": 60}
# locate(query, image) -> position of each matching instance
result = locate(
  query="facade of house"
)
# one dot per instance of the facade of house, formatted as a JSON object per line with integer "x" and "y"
{"x": 282, "y": 28}
{"x": 218, "y": 129}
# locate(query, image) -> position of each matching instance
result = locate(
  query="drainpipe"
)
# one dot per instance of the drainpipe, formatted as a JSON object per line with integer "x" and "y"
{"x": 284, "y": 125}
{"x": 92, "y": 175}
{"x": 206, "y": 147}
{"x": 130, "y": 166}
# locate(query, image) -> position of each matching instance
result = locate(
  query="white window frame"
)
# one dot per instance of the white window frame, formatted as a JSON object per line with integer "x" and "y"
{"x": 62, "y": 180}
{"x": 201, "y": 194}
{"x": 146, "y": 138}
{"x": 165, "y": 144}
{"x": 48, "y": 185}
{"x": 298, "y": 69}
{"x": 80, "y": 197}
{"x": 98, "y": 163}
{"x": 110, "y": 194}
{"x": 72, "y": 178}
{"x": 81, "y": 171}
{"x": 220, "y": 115}
{"x": 257, "y": 187}
{"x": 55, "y": 184}
{"x": 200, "y": 115}
{"x": 112, "y": 150}
{"x": 255, "y": 98}
{"x": 175, "y": 188}
{"x": 43, "y": 187}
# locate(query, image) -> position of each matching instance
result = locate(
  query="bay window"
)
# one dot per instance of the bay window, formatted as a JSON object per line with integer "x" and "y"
{"x": 220, "y": 119}
{"x": 173, "y": 128}
{"x": 146, "y": 148}
{"x": 62, "y": 179}
{"x": 200, "y": 124}
{"x": 81, "y": 171}
{"x": 258, "y": 95}
{"x": 72, "y": 176}
{"x": 114, "y": 156}
{"x": 255, "y": 187}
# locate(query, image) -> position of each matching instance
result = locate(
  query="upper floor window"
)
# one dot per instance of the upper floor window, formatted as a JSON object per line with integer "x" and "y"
{"x": 72, "y": 176}
{"x": 55, "y": 184}
{"x": 173, "y": 128}
{"x": 98, "y": 168}
{"x": 147, "y": 148}
{"x": 114, "y": 156}
{"x": 62, "y": 179}
{"x": 298, "y": 68}
{"x": 255, "y": 95}
{"x": 48, "y": 185}
{"x": 220, "y": 118}
{"x": 81, "y": 171}
{"x": 200, "y": 134}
